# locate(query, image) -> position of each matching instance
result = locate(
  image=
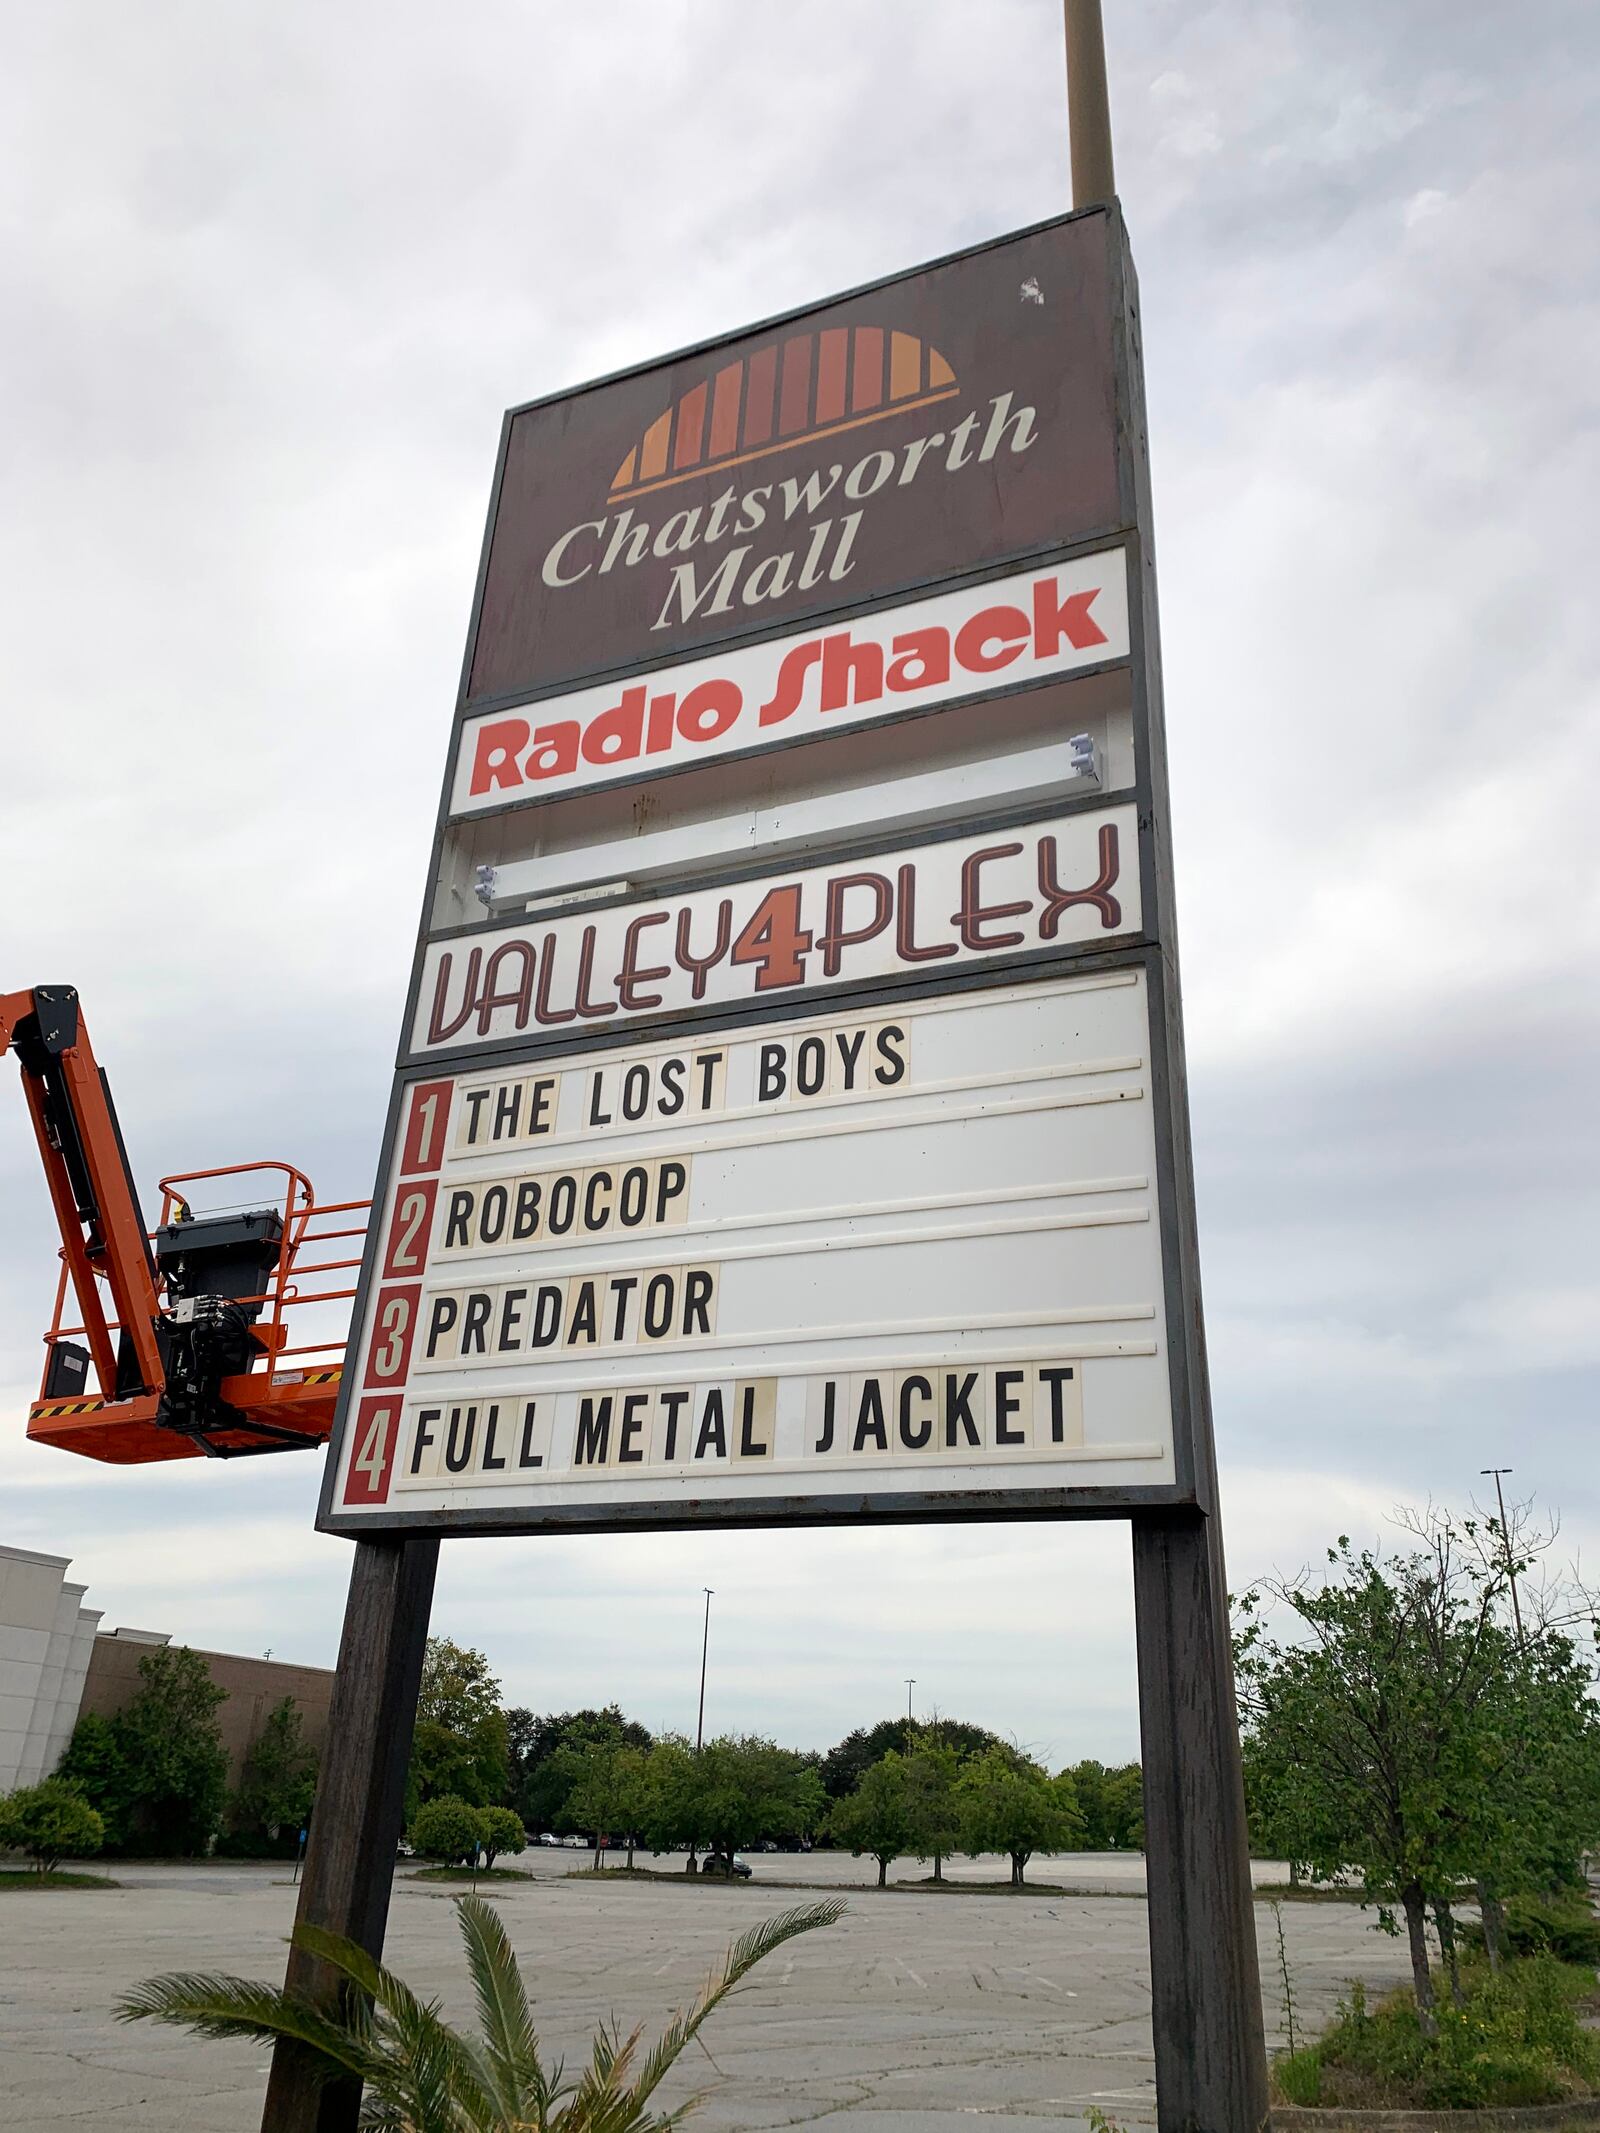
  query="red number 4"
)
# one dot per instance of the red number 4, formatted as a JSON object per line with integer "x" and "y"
{"x": 775, "y": 940}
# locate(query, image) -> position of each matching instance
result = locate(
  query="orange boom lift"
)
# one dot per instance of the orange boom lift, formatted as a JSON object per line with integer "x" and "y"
{"x": 202, "y": 1335}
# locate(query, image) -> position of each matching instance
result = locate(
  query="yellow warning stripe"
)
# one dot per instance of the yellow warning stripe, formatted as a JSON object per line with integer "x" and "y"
{"x": 56, "y": 1410}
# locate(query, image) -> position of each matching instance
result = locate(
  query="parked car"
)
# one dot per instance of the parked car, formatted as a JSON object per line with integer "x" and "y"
{"x": 738, "y": 1867}
{"x": 548, "y": 1836}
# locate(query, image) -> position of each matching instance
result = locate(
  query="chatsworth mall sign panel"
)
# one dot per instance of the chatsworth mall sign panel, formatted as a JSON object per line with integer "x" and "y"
{"x": 789, "y": 1122}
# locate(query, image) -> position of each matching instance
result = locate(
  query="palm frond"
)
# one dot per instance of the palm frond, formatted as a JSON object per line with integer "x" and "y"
{"x": 430, "y": 2077}
{"x": 351, "y": 1961}
{"x": 516, "y": 2076}
{"x": 422, "y": 2076}
{"x": 425, "y": 2068}
{"x": 213, "y": 2004}
{"x": 601, "y": 2102}
{"x": 748, "y": 1950}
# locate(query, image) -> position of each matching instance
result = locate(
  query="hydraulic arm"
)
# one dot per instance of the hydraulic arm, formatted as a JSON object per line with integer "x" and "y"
{"x": 183, "y": 1329}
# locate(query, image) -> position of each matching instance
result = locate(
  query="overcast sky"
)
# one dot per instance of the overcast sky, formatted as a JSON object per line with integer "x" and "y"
{"x": 271, "y": 273}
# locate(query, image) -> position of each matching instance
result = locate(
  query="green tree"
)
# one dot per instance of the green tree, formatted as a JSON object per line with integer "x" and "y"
{"x": 50, "y": 1821}
{"x": 545, "y": 1781}
{"x": 1111, "y": 1802}
{"x": 447, "y": 1830}
{"x": 1410, "y": 1736}
{"x": 425, "y": 2077}
{"x": 609, "y": 1792}
{"x": 1124, "y": 1807}
{"x": 460, "y": 1742}
{"x": 500, "y": 1830}
{"x": 1008, "y": 1804}
{"x": 843, "y": 1765}
{"x": 1536, "y": 1808}
{"x": 876, "y": 1818}
{"x": 739, "y": 1788}
{"x": 94, "y": 1764}
{"x": 521, "y": 1734}
{"x": 932, "y": 1768}
{"x": 666, "y": 1816}
{"x": 279, "y": 1778}
{"x": 170, "y": 1747}
{"x": 443, "y": 1766}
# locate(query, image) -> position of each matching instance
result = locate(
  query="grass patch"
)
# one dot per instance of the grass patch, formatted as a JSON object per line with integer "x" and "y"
{"x": 1519, "y": 2039}
{"x": 60, "y": 1878}
{"x": 465, "y": 1874}
{"x": 680, "y": 1877}
{"x": 997, "y": 1888}
{"x": 1303, "y": 1892}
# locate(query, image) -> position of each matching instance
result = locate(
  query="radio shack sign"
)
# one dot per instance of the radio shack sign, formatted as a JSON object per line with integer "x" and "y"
{"x": 760, "y": 1182}
{"x": 1050, "y": 620}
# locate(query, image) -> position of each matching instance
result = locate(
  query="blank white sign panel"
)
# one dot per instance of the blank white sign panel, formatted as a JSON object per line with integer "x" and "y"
{"x": 908, "y": 1250}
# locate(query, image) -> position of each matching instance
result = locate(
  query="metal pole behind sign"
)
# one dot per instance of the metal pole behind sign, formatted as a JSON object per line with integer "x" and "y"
{"x": 1088, "y": 106}
{"x": 360, "y": 1803}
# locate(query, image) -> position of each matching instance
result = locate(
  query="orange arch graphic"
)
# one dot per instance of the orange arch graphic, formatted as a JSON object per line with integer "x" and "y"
{"x": 808, "y": 385}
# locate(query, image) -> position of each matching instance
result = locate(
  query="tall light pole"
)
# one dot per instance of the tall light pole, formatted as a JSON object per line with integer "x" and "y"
{"x": 1505, "y": 1542}
{"x": 1088, "y": 106}
{"x": 911, "y": 1682}
{"x": 705, "y": 1646}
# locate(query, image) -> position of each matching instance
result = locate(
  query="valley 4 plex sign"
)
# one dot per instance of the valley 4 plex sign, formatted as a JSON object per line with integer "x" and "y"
{"x": 789, "y": 1116}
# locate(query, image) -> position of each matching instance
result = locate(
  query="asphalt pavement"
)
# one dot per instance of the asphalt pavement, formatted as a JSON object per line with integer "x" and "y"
{"x": 919, "y": 2009}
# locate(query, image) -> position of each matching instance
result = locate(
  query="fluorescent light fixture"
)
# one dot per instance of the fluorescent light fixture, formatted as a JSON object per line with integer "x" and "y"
{"x": 791, "y": 828}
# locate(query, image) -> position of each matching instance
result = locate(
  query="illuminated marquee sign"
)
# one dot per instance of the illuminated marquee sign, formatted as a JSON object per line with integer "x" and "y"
{"x": 915, "y": 1247}
{"x": 786, "y": 1132}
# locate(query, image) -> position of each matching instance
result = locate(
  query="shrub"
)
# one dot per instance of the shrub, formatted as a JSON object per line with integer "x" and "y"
{"x": 500, "y": 1830}
{"x": 446, "y": 1829}
{"x": 278, "y": 1783}
{"x": 157, "y": 1772}
{"x": 1517, "y": 2040}
{"x": 1297, "y": 2076}
{"x": 94, "y": 1764}
{"x": 50, "y": 1821}
{"x": 1563, "y": 1926}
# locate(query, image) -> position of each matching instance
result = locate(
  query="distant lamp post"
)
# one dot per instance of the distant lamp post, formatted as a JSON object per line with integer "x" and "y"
{"x": 911, "y": 1682}
{"x": 705, "y": 1646}
{"x": 1505, "y": 1542}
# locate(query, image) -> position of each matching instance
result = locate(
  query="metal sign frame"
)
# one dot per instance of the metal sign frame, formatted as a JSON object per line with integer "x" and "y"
{"x": 1152, "y": 944}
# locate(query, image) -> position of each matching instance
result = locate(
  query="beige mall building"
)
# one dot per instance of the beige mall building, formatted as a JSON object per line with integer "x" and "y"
{"x": 56, "y": 1663}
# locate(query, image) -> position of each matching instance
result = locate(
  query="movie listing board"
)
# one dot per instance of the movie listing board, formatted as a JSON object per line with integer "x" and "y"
{"x": 912, "y": 1249}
